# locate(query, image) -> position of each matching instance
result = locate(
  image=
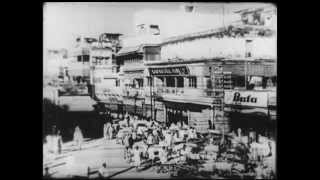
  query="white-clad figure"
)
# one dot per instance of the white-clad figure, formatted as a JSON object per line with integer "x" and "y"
{"x": 105, "y": 131}
{"x": 59, "y": 142}
{"x": 136, "y": 157}
{"x": 163, "y": 155}
{"x": 110, "y": 132}
{"x": 78, "y": 137}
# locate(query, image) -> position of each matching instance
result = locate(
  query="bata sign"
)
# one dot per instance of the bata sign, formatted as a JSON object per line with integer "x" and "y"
{"x": 246, "y": 98}
{"x": 183, "y": 70}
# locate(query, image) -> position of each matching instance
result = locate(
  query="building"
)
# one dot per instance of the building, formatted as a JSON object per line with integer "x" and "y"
{"x": 180, "y": 86}
{"x": 104, "y": 71}
{"x": 78, "y": 62}
{"x": 54, "y": 63}
{"x": 132, "y": 57}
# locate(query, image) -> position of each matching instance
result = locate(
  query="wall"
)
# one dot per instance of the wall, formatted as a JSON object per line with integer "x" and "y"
{"x": 140, "y": 39}
{"x": 224, "y": 47}
{"x": 174, "y": 23}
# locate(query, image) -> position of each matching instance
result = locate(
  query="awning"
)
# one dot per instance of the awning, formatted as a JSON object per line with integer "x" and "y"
{"x": 127, "y": 50}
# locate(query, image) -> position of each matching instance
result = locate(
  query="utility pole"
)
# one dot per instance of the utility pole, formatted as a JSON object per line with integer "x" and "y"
{"x": 151, "y": 96}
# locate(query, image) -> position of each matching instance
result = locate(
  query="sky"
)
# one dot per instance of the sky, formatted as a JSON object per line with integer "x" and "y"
{"x": 63, "y": 22}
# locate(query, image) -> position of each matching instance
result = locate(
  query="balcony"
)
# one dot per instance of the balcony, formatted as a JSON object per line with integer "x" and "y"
{"x": 133, "y": 92}
{"x": 183, "y": 94}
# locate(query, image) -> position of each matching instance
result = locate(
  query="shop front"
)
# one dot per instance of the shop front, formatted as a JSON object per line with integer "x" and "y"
{"x": 250, "y": 111}
{"x": 133, "y": 105}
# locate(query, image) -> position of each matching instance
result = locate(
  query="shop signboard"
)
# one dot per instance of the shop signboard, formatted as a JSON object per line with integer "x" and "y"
{"x": 181, "y": 70}
{"x": 133, "y": 102}
{"x": 246, "y": 98}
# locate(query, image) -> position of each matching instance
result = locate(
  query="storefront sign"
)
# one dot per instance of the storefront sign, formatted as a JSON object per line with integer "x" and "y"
{"x": 183, "y": 70}
{"x": 246, "y": 98}
{"x": 133, "y": 102}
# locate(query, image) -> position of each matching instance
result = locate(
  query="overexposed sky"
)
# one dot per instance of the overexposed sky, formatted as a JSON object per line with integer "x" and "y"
{"x": 63, "y": 22}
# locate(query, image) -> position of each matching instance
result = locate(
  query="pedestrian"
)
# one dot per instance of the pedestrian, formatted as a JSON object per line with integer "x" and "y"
{"x": 111, "y": 132}
{"x": 239, "y": 133}
{"x": 127, "y": 146}
{"x": 251, "y": 136}
{"x": 105, "y": 131}
{"x": 59, "y": 142}
{"x": 259, "y": 171}
{"x": 103, "y": 171}
{"x": 78, "y": 137}
{"x": 136, "y": 157}
{"x": 163, "y": 154}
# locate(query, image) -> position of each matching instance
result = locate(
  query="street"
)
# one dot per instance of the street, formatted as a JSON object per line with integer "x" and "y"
{"x": 75, "y": 163}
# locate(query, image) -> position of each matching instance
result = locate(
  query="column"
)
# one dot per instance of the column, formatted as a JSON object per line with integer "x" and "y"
{"x": 189, "y": 116}
{"x": 165, "y": 113}
{"x": 212, "y": 115}
{"x": 175, "y": 84}
{"x": 185, "y": 82}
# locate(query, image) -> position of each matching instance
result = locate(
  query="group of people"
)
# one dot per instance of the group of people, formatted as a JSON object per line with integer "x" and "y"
{"x": 154, "y": 141}
{"x": 54, "y": 140}
{"x": 159, "y": 143}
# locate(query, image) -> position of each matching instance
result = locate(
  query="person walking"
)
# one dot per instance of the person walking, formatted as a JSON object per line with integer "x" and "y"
{"x": 110, "y": 132}
{"x": 105, "y": 131}
{"x": 59, "y": 142}
{"x": 136, "y": 157}
{"x": 78, "y": 137}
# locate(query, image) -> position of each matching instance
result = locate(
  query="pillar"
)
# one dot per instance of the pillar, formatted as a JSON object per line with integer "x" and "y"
{"x": 175, "y": 84}
{"x": 165, "y": 113}
{"x": 212, "y": 115}
{"x": 189, "y": 116}
{"x": 185, "y": 82}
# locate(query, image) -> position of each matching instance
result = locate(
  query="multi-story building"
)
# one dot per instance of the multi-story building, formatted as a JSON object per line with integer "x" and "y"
{"x": 134, "y": 83}
{"x": 104, "y": 71}
{"x": 179, "y": 85}
{"x": 54, "y": 64}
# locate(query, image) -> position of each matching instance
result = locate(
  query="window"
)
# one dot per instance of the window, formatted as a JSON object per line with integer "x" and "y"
{"x": 117, "y": 83}
{"x": 152, "y": 57}
{"x": 79, "y": 58}
{"x": 86, "y": 58}
{"x": 139, "y": 83}
{"x": 193, "y": 82}
{"x": 209, "y": 83}
{"x": 170, "y": 81}
{"x": 248, "y": 48}
{"x": 238, "y": 81}
{"x": 180, "y": 83}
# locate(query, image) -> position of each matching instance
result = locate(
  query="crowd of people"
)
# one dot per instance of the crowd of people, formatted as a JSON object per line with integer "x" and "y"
{"x": 180, "y": 145}
{"x": 151, "y": 141}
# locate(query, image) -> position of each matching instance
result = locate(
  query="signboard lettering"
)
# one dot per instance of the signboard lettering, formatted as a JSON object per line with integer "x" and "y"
{"x": 183, "y": 70}
{"x": 246, "y": 98}
{"x": 237, "y": 98}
